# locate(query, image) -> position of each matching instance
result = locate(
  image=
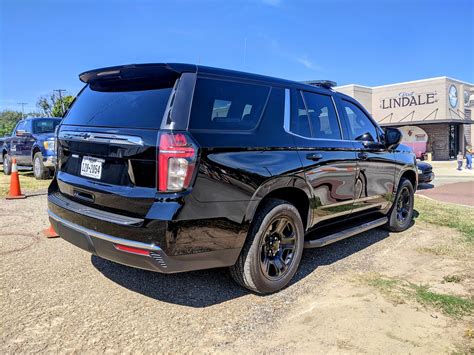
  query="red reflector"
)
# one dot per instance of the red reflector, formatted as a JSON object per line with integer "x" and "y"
{"x": 132, "y": 250}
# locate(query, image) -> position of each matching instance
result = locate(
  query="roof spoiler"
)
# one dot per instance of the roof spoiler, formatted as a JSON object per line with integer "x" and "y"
{"x": 327, "y": 84}
{"x": 135, "y": 71}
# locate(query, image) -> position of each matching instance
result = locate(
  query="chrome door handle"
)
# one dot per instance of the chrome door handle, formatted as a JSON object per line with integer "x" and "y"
{"x": 314, "y": 156}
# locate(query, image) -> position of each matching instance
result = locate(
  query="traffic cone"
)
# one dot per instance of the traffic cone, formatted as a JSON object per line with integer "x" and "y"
{"x": 15, "y": 190}
{"x": 50, "y": 232}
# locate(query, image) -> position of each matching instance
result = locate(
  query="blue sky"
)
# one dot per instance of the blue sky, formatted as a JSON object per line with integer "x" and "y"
{"x": 45, "y": 44}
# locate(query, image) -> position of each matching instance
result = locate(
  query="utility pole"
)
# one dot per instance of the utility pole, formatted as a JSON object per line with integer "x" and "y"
{"x": 61, "y": 98}
{"x": 22, "y": 104}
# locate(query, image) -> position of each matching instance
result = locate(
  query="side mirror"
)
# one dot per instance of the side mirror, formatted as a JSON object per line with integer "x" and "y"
{"x": 393, "y": 136}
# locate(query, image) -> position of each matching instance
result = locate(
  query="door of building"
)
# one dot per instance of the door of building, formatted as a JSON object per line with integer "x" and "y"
{"x": 453, "y": 141}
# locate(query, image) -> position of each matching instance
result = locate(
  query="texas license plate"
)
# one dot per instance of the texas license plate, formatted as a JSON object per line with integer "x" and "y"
{"x": 92, "y": 167}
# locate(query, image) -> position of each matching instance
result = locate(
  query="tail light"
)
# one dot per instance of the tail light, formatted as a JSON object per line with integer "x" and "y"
{"x": 176, "y": 161}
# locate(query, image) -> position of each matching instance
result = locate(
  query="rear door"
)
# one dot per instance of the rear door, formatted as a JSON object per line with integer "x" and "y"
{"x": 375, "y": 164}
{"x": 16, "y": 142}
{"x": 107, "y": 143}
{"x": 329, "y": 161}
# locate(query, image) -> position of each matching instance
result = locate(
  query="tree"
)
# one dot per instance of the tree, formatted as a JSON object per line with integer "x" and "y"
{"x": 8, "y": 120}
{"x": 57, "y": 110}
{"x": 52, "y": 105}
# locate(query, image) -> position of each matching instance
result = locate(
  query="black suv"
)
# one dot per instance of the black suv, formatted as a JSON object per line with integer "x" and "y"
{"x": 177, "y": 167}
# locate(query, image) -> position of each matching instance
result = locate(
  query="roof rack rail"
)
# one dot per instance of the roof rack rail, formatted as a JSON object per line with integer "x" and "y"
{"x": 327, "y": 84}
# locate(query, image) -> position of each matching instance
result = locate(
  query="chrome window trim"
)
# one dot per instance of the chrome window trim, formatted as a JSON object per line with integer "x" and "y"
{"x": 106, "y": 237}
{"x": 96, "y": 137}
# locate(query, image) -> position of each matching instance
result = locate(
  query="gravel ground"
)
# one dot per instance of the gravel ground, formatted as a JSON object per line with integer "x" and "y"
{"x": 58, "y": 298}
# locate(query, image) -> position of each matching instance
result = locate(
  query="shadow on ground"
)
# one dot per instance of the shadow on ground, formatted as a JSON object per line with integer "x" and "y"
{"x": 209, "y": 287}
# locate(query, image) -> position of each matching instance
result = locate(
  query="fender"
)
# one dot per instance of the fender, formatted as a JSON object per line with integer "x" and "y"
{"x": 273, "y": 184}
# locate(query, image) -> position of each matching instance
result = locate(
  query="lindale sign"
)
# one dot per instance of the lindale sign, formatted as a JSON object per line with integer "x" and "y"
{"x": 405, "y": 99}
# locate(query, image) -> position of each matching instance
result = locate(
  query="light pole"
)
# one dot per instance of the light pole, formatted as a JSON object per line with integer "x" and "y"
{"x": 22, "y": 104}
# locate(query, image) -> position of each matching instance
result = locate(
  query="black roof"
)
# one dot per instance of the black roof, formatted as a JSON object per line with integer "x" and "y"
{"x": 163, "y": 69}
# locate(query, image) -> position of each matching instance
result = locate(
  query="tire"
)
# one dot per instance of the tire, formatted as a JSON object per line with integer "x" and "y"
{"x": 401, "y": 213}
{"x": 39, "y": 170}
{"x": 7, "y": 164}
{"x": 265, "y": 265}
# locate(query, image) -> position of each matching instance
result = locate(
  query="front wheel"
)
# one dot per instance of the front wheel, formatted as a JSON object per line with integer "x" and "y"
{"x": 401, "y": 213}
{"x": 273, "y": 249}
{"x": 39, "y": 170}
{"x": 7, "y": 164}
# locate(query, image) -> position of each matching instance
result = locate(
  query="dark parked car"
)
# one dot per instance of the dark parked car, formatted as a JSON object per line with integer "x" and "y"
{"x": 425, "y": 173}
{"x": 32, "y": 143}
{"x": 175, "y": 167}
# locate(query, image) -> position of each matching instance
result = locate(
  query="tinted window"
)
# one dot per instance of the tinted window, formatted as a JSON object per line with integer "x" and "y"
{"x": 323, "y": 118}
{"x": 299, "y": 119}
{"x": 220, "y": 104}
{"x": 361, "y": 127}
{"x": 44, "y": 126}
{"x": 138, "y": 105}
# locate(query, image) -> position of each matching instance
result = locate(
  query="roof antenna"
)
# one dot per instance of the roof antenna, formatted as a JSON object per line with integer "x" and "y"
{"x": 327, "y": 84}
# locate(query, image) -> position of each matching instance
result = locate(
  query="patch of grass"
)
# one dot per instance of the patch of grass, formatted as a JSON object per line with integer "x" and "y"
{"x": 448, "y": 215}
{"x": 27, "y": 182}
{"x": 454, "y": 306}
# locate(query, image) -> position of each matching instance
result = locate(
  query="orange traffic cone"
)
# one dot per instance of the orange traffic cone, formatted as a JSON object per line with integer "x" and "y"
{"x": 50, "y": 232}
{"x": 15, "y": 190}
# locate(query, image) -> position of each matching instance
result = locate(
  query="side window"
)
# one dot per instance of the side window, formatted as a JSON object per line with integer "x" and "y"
{"x": 220, "y": 104}
{"x": 322, "y": 114}
{"x": 361, "y": 127}
{"x": 299, "y": 123}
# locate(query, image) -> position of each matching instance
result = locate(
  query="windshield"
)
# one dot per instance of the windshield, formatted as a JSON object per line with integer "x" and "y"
{"x": 45, "y": 126}
{"x": 128, "y": 105}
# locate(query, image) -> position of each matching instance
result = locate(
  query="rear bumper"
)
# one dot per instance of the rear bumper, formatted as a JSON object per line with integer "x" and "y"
{"x": 154, "y": 259}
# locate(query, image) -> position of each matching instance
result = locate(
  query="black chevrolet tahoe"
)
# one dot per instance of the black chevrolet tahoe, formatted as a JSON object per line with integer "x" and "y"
{"x": 178, "y": 167}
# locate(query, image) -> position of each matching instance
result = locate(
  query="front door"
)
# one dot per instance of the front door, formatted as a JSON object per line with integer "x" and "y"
{"x": 329, "y": 162}
{"x": 453, "y": 141}
{"x": 375, "y": 175}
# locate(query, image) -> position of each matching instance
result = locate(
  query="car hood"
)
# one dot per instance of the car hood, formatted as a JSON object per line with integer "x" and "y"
{"x": 423, "y": 166}
{"x": 404, "y": 148}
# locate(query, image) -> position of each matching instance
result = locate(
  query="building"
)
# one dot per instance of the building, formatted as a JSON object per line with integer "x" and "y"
{"x": 435, "y": 115}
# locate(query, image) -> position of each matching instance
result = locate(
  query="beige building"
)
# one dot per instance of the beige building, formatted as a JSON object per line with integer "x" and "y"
{"x": 435, "y": 114}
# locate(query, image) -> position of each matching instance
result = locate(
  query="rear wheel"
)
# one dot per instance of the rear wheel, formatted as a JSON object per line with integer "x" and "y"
{"x": 7, "y": 164}
{"x": 39, "y": 170}
{"x": 401, "y": 214}
{"x": 273, "y": 249}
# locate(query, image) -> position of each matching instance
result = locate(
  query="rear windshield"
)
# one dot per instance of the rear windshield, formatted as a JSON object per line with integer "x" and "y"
{"x": 227, "y": 105}
{"x": 132, "y": 106}
{"x": 44, "y": 126}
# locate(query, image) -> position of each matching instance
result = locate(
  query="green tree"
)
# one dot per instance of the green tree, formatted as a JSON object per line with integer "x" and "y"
{"x": 52, "y": 105}
{"x": 8, "y": 120}
{"x": 57, "y": 110}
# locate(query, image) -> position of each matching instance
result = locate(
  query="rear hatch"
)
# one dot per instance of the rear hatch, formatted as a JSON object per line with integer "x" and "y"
{"x": 107, "y": 142}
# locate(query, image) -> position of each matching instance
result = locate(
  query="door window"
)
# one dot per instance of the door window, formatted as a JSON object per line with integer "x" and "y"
{"x": 361, "y": 127}
{"x": 315, "y": 117}
{"x": 322, "y": 116}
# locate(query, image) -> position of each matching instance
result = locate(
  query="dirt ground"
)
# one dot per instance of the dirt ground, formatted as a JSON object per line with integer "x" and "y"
{"x": 57, "y": 298}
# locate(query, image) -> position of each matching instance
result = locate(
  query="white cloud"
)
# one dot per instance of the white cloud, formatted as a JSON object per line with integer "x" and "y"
{"x": 306, "y": 62}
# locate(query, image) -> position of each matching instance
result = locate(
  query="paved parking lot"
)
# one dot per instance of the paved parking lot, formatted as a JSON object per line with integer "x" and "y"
{"x": 57, "y": 298}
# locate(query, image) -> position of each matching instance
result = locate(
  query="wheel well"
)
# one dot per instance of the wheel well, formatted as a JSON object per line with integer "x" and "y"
{"x": 296, "y": 197}
{"x": 35, "y": 150}
{"x": 410, "y": 175}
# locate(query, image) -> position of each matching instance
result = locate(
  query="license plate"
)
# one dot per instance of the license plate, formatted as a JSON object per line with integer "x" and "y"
{"x": 92, "y": 167}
